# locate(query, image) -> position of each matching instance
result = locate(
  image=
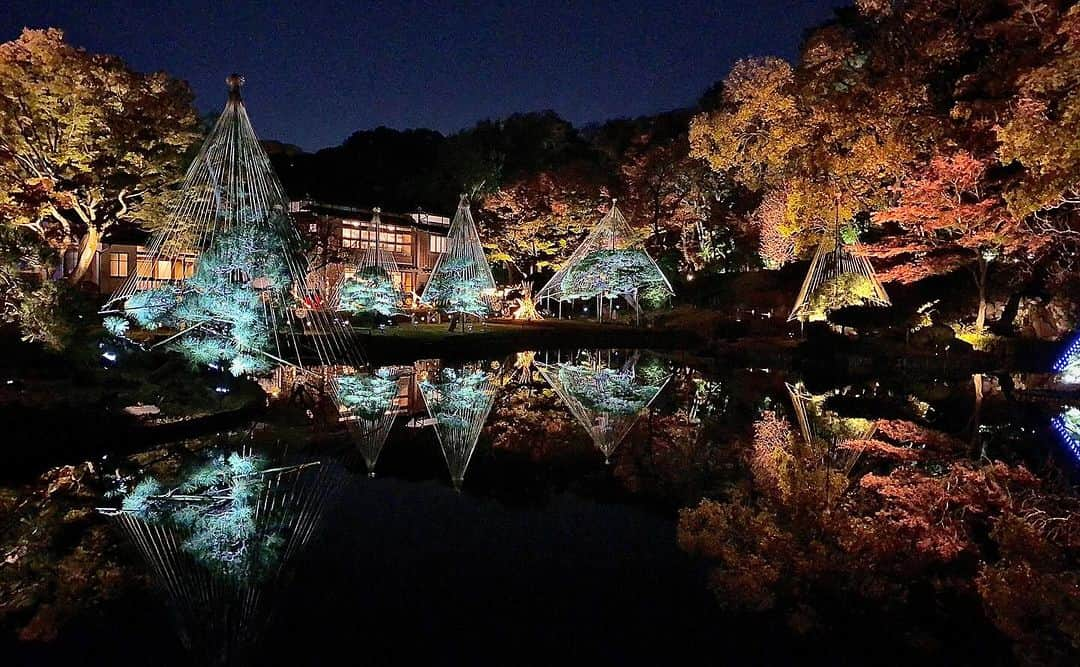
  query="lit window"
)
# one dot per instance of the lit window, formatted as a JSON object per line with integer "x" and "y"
{"x": 145, "y": 267}
{"x": 350, "y": 237}
{"x": 437, "y": 243}
{"x": 313, "y": 228}
{"x": 405, "y": 281}
{"x": 118, "y": 264}
{"x": 164, "y": 269}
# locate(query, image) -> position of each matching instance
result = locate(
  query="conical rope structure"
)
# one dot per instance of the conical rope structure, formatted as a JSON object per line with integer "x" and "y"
{"x": 369, "y": 407}
{"x": 833, "y": 261}
{"x": 611, "y": 262}
{"x": 459, "y": 400}
{"x": 607, "y": 402}
{"x": 221, "y": 553}
{"x": 226, "y": 277}
{"x": 461, "y": 281}
{"x": 817, "y": 424}
{"x": 372, "y": 287}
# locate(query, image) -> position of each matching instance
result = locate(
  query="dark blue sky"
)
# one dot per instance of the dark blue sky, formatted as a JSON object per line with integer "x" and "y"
{"x": 317, "y": 71}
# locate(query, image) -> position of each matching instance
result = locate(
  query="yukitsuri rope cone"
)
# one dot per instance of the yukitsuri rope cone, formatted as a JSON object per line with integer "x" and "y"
{"x": 224, "y": 281}
{"x": 221, "y": 550}
{"x": 833, "y": 260}
{"x": 461, "y": 282}
{"x": 606, "y": 401}
{"x": 610, "y": 263}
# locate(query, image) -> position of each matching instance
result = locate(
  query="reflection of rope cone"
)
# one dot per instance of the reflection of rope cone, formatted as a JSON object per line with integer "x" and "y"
{"x": 221, "y": 613}
{"x": 606, "y": 430}
{"x": 459, "y": 405}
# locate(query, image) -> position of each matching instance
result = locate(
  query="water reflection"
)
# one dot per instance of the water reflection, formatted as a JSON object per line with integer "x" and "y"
{"x": 459, "y": 401}
{"x": 865, "y": 486}
{"x": 607, "y": 396}
{"x": 219, "y": 538}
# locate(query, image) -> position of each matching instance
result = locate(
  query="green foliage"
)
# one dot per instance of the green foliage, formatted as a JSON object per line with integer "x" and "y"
{"x": 605, "y": 390}
{"x": 848, "y": 289}
{"x": 117, "y": 326}
{"x": 456, "y": 394}
{"x": 215, "y": 507}
{"x": 611, "y": 272}
{"x": 368, "y": 396}
{"x": 226, "y": 298}
{"x": 453, "y": 290}
{"x": 371, "y": 290}
{"x": 45, "y": 310}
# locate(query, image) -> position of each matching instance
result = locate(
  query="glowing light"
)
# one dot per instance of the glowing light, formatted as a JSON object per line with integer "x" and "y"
{"x": 111, "y": 356}
{"x": 1067, "y": 426}
{"x": 1068, "y": 364}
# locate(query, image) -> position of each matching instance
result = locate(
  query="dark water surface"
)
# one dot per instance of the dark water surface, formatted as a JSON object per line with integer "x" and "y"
{"x": 549, "y": 554}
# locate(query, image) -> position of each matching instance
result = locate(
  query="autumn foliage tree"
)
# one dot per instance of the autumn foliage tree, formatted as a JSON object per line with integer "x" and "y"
{"x": 86, "y": 143}
{"x": 948, "y": 207}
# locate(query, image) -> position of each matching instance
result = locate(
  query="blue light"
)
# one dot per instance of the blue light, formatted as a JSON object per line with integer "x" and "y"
{"x": 1070, "y": 435}
{"x": 1068, "y": 364}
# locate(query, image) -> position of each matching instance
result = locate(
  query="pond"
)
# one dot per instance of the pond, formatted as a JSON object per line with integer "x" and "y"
{"x": 620, "y": 505}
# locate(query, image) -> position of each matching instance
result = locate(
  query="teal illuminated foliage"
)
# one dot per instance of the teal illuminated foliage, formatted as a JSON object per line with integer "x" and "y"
{"x": 215, "y": 508}
{"x": 612, "y": 273}
{"x": 223, "y": 307}
{"x": 457, "y": 395}
{"x": 367, "y": 396}
{"x": 117, "y": 326}
{"x": 371, "y": 290}
{"x": 605, "y": 390}
{"x": 458, "y": 287}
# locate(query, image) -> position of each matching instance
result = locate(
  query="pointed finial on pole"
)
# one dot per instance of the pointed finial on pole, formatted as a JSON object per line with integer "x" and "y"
{"x": 464, "y": 201}
{"x": 234, "y": 81}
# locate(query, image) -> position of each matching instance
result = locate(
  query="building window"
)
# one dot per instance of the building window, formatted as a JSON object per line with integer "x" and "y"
{"x": 145, "y": 267}
{"x": 437, "y": 243}
{"x": 405, "y": 281}
{"x": 71, "y": 259}
{"x": 350, "y": 237}
{"x": 189, "y": 267}
{"x": 313, "y": 228}
{"x": 118, "y": 264}
{"x": 164, "y": 269}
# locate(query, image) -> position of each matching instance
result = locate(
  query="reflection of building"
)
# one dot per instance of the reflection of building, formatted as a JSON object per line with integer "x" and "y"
{"x": 341, "y": 234}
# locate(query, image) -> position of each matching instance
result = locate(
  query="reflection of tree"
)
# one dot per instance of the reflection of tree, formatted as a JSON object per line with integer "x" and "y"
{"x": 368, "y": 404}
{"x": 218, "y": 541}
{"x": 919, "y": 511}
{"x": 606, "y": 401}
{"x": 459, "y": 402}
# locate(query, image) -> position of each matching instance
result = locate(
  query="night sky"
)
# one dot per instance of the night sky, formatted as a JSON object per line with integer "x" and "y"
{"x": 317, "y": 71}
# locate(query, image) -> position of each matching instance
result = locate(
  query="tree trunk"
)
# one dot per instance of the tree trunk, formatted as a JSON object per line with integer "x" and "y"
{"x": 90, "y": 245}
{"x": 980, "y": 319}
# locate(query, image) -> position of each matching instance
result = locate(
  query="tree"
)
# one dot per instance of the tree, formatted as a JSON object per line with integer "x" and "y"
{"x": 949, "y": 206}
{"x": 86, "y": 144}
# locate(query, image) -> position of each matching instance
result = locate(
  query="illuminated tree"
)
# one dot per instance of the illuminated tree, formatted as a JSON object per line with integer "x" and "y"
{"x": 372, "y": 288}
{"x": 461, "y": 281}
{"x": 86, "y": 144}
{"x": 225, "y": 277}
{"x": 948, "y": 206}
{"x": 459, "y": 401}
{"x": 217, "y": 540}
{"x": 607, "y": 402}
{"x": 610, "y": 263}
